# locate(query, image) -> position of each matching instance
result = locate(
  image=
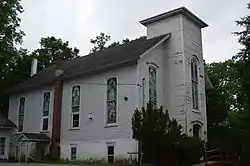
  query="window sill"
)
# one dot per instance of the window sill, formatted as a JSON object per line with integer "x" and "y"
{"x": 73, "y": 129}
{"x": 45, "y": 131}
{"x": 196, "y": 111}
{"x": 111, "y": 125}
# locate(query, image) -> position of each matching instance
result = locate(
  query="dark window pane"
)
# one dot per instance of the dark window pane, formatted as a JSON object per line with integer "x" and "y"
{"x": 110, "y": 159}
{"x": 2, "y": 145}
{"x": 75, "y": 109}
{"x": 45, "y": 113}
{"x": 196, "y": 131}
{"x": 45, "y": 124}
{"x": 110, "y": 150}
{"x": 75, "y": 120}
{"x": 20, "y": 123}
{"x": 73, "y": 153}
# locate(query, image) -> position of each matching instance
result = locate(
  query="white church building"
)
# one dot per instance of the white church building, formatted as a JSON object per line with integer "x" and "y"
{"x": 82, "y": 108}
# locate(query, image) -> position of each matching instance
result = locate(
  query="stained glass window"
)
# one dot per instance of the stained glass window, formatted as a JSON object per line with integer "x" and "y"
{"x": 152, "y": 86}
{"x": 195, "y": 82}
{"x": 46, "y": 107}
{"x": 75, "y": 106}
{"x": 112, "y": 100}
{"x": 21, "y": 114}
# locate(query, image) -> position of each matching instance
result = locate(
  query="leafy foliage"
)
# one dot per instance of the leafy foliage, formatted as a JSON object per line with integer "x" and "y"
{"x": 101, "y": 41}
{"x": 243, "y": 57}
{"x": 51, "y": 49}
{"x": 10, "y": 34}
{"x": 161, "y": 137}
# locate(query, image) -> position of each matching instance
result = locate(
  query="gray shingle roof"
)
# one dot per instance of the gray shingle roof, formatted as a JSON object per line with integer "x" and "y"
{"x": 5, "y": 122}
{"x": 115, "y": 57}
{"x": 37, "y": 136}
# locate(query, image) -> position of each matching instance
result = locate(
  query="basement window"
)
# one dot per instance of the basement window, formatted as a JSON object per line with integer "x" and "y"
{"x": 111, "y": 154}
{"x": 73, "y": 152}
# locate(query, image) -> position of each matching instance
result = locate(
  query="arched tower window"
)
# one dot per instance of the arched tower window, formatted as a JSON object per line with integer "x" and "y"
{"x": 197, "y": 131}
{"x": 195, "y": 82}
{"x": 152, "y": 86}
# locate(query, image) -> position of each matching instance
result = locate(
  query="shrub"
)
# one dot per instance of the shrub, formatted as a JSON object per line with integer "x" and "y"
{"x": 161, "y": 139}
{"x": 190, "y": 150}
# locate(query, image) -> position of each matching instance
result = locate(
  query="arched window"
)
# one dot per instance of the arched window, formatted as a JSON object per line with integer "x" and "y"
{"x": 46, "y": 105}
{"x": 75, "y": 107}
{"x": 197, "y": 131}
{"x": 152, "y": 86}
{"x": 112, "y": 100}
{"x": 195, "y": 82}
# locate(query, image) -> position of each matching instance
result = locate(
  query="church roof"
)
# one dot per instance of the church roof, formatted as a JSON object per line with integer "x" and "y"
{"x": 116, "y": 57}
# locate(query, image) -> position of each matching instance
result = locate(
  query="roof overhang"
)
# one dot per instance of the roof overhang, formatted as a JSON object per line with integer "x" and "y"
{"x": 182, "y": 10}
{"x": 164, "y": 40}
{"x": 24, "y": 138}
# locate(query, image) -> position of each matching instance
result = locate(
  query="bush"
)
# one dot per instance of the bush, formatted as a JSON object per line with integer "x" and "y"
{"x": 190, "y": 150}
{"x": 161, "y": 139}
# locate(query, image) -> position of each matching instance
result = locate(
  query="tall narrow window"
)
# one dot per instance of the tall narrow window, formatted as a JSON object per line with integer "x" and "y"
{"x": 46, "y": 106}
{"x": 2, "y": 146}
{"x": 194, "y": 76}
{"x": 73, "y": 152}
{"x": 21, "y": 114}
{"x": 152, "y": 86}
{"x": 111, "y": 154}
{"x": 75, "y": 107}
{"x": 112, "y": 100}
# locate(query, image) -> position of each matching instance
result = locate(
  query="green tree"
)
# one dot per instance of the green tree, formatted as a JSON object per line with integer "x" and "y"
{"x": 100, "y": 42}
{"x": 51, "y": 49}
{"x": 243, "y": 57}
{"x": 10, "y": 34}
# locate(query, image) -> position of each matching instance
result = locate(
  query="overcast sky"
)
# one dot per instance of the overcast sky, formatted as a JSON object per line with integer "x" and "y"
{"x": 77, "y": 21}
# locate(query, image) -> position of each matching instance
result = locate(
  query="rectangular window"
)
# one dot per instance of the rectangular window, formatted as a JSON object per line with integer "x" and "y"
{"x": 111, "y": 154}
{"x": 75, "y": 107}
{"x": 73, "y": 152}
{"x": 2, "y": 146}
{"x": 46, "y": 107}
{"x": 112, "y": 100}
{"x": 21, "y": 114}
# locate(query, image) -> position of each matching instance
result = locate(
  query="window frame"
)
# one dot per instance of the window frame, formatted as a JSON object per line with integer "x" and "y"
{"x": 73, "y": 113}
{"x": 195, "y": 82}
{"x": 107, "y": 124}
{"x": 199, "y": 130}
{"x": 111, "y": 155}
{"x": 75, "y": 155}
{"x": 154, "y": 67}
{"x": 20, "y": 128}
{"x": 2, "y": 148}
{"x": 46, "y": 117}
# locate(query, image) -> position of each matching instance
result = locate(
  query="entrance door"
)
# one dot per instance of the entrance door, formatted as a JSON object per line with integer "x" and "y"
{"x": 197, "y": 131}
